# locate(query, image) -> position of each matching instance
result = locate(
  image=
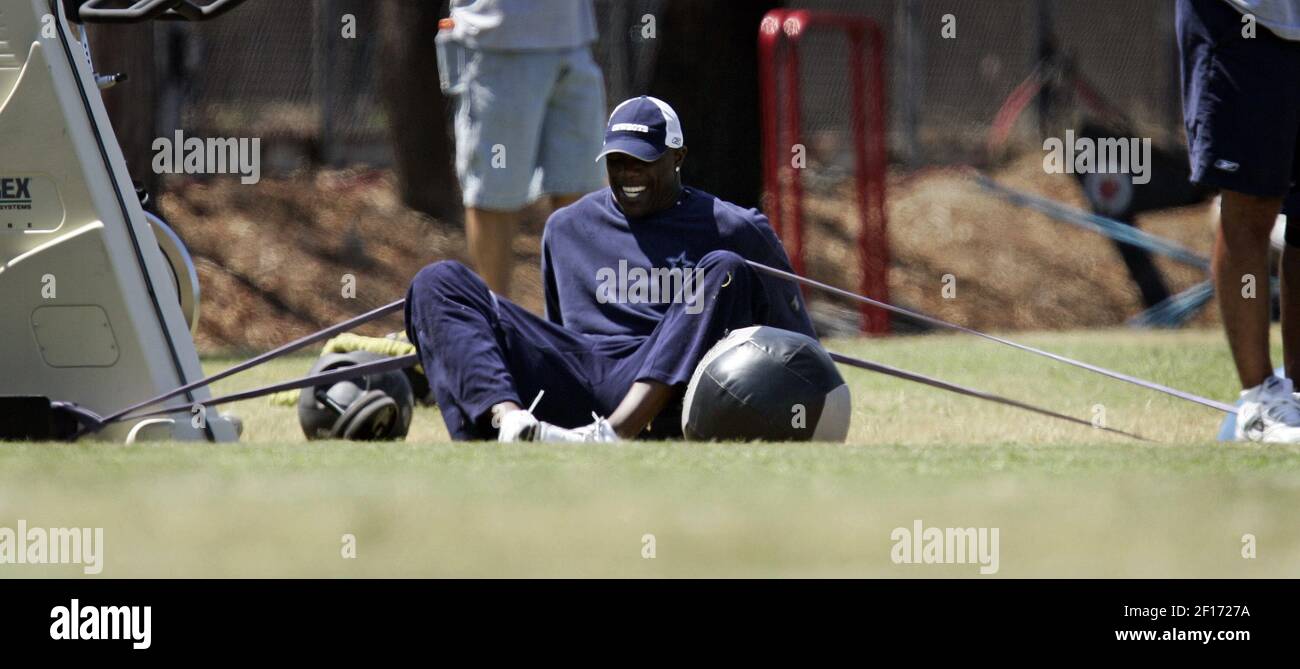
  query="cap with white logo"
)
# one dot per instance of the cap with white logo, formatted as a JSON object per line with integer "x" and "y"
{"x": 643, "y": 128}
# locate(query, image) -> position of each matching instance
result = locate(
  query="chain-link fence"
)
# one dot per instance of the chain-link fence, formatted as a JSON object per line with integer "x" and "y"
{"x": 304, "y": 82}
{"x": 273, "y": 71}
{"x": 953, "y": 63}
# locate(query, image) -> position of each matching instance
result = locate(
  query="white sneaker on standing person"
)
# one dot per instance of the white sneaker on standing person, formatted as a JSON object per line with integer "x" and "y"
{"x": 1270, "y": 413}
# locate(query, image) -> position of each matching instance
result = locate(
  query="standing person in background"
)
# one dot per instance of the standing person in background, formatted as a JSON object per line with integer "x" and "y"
{"x": 1241, "y": 106}
{"x": 530, "y": 97}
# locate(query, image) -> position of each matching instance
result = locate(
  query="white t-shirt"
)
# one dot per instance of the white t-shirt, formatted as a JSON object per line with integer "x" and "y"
{"x": 1282, "y": 17}
{"x": 523, "y": 25}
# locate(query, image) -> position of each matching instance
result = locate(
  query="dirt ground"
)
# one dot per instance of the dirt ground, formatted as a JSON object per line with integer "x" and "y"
{"x": 274, "y": 258}
{"x": 1014, "y": 269}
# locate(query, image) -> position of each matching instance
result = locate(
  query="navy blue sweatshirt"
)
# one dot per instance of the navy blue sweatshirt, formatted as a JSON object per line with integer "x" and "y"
{"x": 585, "y": 242}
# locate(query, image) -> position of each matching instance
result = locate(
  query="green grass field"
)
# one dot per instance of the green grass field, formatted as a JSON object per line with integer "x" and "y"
{"x": 1068, "y": 501}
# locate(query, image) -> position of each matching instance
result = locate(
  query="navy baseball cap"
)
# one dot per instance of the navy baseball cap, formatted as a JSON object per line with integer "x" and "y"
{"x": 643, "y": 128}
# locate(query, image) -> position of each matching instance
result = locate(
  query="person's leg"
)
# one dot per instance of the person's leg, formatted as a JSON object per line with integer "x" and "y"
{"x": 573, "y": 131}
{"x": 1241, "y": 281}
{"x": 498, "y": 127}
{"x": 645, "y": 401}
{"x": 485, "y": 355}
{"x": 1289, "y": 277}
{"x": 452, "y": 320}
{"x": 490, "y": 236}
{"x": 1243, "y": 129}
{"x": 1289, "y": 273}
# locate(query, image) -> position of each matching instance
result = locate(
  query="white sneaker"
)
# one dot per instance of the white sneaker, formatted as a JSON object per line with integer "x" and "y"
{"x": 521, "y": 425}
{"x": 1269, "y": 413}
{"x": 600, "y": 431}
{"x": 517, "y": 425}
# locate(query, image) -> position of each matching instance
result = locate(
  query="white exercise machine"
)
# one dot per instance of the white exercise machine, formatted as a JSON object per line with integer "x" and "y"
{"x": 97, "y": 298}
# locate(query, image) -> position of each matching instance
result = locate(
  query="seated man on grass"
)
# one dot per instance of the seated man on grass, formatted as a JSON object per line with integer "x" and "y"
{"x": 641, "y": 279}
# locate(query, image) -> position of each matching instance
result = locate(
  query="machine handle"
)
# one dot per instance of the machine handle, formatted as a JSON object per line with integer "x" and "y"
{"x": 100, "y": 11}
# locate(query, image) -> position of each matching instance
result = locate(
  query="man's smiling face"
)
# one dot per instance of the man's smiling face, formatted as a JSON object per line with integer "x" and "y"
{"x": 642, "y": 188}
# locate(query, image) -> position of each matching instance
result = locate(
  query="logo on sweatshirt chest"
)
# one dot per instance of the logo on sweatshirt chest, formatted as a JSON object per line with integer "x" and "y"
{"x": 679, "y": 261}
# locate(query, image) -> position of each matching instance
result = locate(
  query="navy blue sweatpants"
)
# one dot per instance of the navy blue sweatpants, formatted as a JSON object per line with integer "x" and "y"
{"x": 479, "y": 349}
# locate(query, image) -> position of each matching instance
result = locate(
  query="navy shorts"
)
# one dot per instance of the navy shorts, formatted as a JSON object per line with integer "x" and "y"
{"x": 1241, "y": 101}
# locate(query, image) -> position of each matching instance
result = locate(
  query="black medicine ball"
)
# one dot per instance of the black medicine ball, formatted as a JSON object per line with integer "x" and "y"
{"x": 764, "y": 383}
{"x": 374, "y": 407}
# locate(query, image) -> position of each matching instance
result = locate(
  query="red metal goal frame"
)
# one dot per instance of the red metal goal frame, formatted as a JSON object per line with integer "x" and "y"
{"x": 779, "y": 36}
